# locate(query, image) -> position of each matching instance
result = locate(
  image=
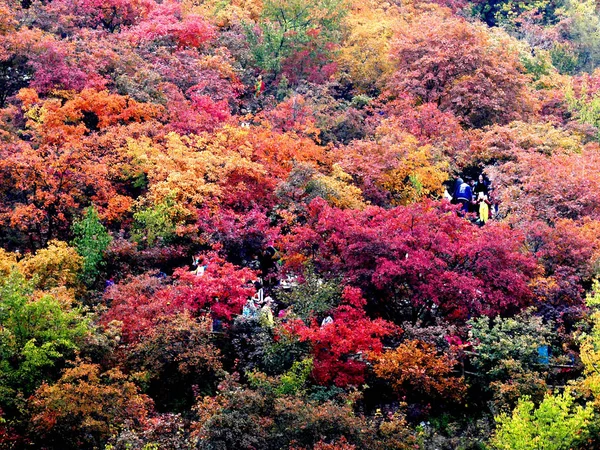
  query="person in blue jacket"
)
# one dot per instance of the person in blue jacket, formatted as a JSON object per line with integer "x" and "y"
{"x": 464, "y": 195}
{"x": 457, "y": 183}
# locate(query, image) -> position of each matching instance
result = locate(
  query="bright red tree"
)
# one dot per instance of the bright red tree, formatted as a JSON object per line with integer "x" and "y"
{"x": 340, "y": 348}
{"x": 139, "y": 303}
{"x": 417, "y": 261}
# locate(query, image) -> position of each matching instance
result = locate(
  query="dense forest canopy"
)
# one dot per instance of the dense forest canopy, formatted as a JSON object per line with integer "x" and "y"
{"x": 299, "y": 224}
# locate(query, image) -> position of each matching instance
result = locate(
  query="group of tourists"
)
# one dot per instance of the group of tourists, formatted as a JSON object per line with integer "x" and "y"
{"x": 475, "y": 197}
{"x": 264, "y": 306}
{"x": 260, "y": 306}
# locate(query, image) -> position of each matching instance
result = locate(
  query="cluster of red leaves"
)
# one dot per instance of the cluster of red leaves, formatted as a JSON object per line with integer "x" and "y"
{"x": 140, "y": 302}
{"x": 454, "y": 64}
{"x": 421, "y": 256}
{"x": 340, "y": 348}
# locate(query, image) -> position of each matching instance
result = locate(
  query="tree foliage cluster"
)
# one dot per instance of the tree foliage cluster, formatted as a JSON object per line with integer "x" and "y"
{"x": 163, "y": 163}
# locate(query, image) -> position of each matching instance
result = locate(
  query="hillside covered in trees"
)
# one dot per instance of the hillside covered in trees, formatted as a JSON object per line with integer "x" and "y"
{"x": 299, "y": 224}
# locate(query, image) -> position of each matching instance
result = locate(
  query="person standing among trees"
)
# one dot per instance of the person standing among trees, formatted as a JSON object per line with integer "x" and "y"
{"x": 457, "y": 184}
{"x": 484, "y": 208}
{"x": 259, "y": 86}
{"x": 464, "y": 195}
{"x": 482, "y": 185}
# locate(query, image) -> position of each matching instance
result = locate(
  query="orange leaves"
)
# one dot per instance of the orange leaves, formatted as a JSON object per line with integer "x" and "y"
{"x": 59, "y": 120}
{"x": 116, "y": 207}
{"x": 279, "y": 151}
{"x": 396, "y": 164}
{"x": 415, "y": 367}
{"x": 28, "y": 98}
{"x": 7, "y": 19}
{"x": 87, "y": 404}
{"x": 69, "y": 159}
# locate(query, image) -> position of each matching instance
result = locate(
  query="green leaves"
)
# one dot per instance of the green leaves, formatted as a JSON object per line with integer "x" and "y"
{"x": 35, "y": 334}
{"x": 314, "y": 297}
{"x": 583, "y": 31}
{"x": 154, "y": 223}
{"x": 294, "y": 380}
{"x": 585, "y": 106}
{"x": 288, "y": 25}
{"x": 557, "y": 424}
{"x": 507, "y": 358}
{"x": 91, "y": 240}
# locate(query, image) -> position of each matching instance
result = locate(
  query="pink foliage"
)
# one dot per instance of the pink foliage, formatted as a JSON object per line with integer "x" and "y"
{"x": 166, "y": 21}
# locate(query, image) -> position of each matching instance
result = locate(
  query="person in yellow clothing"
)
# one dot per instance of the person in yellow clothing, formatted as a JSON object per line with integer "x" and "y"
{"x": 259, "y": 86}
{"x": 265, "y": 316}
{"x": 484, "y": 208}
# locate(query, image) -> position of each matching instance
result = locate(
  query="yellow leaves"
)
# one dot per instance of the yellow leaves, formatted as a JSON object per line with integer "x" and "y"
{"x": 545, "y": 138}
{"x": 364, "y": 54}
{"x": 418, "y": 175}
{"x": 338, "y": 190}
{"x": 399, "y": 164}
{"x": 192, "y": 170}
{"x": 225, "y": 14}
{"x": 591, "y": 362}
{"x": 589, "y": 350}
{"x": 8, "y": 262}
{"x": 55, "y": 266}
{"x": 54, "y": 269}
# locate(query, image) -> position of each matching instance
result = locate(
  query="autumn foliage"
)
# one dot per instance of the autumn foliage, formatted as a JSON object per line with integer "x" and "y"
{"x": 247, "y": 224}
{"x": 414, "y": 368}
{"x": 418, "y": 261}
